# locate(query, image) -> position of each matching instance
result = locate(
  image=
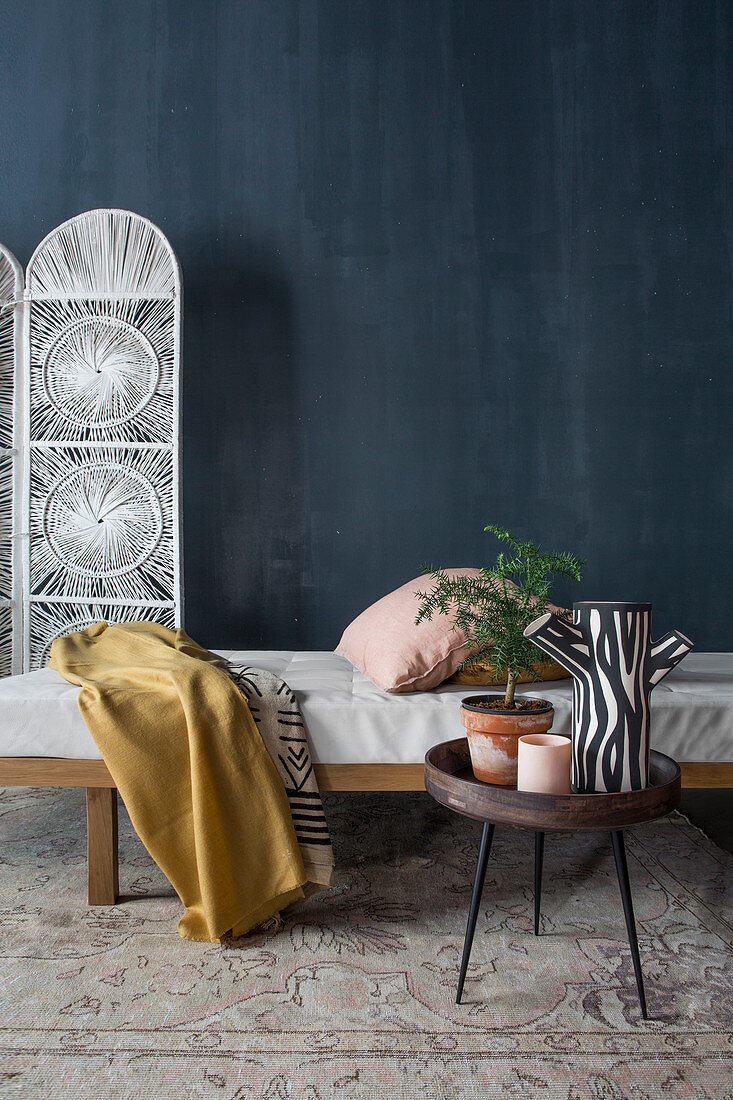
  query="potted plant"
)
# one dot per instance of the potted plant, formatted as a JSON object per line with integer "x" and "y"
{"x": 493, "y": 610}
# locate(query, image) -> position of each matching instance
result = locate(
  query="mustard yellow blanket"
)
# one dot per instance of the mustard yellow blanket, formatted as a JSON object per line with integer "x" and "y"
{"x": 202, "y": 793}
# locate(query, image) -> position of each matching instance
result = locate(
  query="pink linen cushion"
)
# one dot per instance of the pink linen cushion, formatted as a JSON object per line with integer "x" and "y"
{"x": 385, "y": 644}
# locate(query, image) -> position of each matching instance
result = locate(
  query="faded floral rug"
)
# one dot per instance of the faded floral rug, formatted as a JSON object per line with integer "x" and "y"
{"x": 354, "y": 996}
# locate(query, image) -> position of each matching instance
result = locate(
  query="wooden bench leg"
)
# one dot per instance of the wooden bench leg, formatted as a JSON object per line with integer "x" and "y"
{"x": 102, "y": 867}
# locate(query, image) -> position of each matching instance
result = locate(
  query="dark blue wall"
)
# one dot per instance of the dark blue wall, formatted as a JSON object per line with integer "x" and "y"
{"x": 446, "y": 262}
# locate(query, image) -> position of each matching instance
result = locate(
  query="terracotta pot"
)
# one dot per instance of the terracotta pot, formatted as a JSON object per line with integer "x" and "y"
{"x": 493, "y": 736}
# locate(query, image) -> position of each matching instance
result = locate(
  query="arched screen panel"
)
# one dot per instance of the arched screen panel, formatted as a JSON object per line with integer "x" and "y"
{"x": 102, "y": 467}
{"x": 11, "y": 312}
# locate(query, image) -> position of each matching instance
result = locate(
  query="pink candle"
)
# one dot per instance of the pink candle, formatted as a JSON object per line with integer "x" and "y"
{"x": 544, "y": 763}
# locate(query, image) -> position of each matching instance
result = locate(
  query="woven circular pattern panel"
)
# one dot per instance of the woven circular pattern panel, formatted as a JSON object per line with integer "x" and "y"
{"x": 102, "y": 520}
{"x": 100, "y": 371}
{"x": 11, "y": 294}
{"x": 89, "y": 438}
{"x": 50, "y": 622}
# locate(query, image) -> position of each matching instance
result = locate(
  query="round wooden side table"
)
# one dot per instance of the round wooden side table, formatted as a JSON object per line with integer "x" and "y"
{"x": 450, "y": 780}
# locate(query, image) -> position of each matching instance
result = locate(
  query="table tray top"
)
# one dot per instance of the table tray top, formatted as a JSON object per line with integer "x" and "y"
{"x": 450, "y": 780}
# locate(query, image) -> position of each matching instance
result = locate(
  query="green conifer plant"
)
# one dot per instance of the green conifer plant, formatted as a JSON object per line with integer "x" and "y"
{"x": 494, "y": 608}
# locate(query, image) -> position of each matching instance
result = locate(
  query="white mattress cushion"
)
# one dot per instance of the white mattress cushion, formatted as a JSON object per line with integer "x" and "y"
{"x": 349, "y": 720}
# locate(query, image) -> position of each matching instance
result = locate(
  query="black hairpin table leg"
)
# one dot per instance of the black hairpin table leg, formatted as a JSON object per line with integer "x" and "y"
{"x": 487, "y": 836}
{"x": 619, "y": 853}
{"x": 539, "y": 851}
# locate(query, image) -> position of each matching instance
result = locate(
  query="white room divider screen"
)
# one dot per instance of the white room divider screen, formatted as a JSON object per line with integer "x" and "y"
{"x": 11, "y": 300}
{"x": 97, "y": 516}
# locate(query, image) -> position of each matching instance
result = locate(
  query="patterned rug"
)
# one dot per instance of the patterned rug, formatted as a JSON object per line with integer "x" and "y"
{"x": 354, "y": 996}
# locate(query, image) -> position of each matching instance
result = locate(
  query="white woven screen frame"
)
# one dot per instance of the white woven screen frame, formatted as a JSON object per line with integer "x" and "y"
{"x": 98, "y": 408}
{"x": 11, "y": 336}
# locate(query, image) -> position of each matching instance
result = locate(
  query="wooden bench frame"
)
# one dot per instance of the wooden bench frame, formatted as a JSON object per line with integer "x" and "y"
{"x": 102, "y": 863}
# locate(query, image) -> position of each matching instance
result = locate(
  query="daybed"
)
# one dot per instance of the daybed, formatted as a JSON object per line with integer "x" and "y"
{"x": 362, "y": 739}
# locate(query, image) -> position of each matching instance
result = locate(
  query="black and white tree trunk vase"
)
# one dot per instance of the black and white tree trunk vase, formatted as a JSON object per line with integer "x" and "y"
{"x": 614, "y": 664}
